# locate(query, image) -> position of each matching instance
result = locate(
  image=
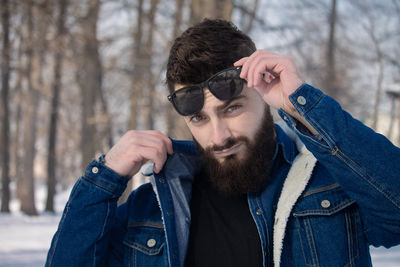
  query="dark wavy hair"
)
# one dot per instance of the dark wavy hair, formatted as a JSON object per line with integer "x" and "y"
{"x": 204, "y": 49}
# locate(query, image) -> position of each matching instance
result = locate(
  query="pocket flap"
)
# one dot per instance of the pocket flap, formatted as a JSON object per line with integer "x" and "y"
{"x": 146, "y": 237}
{"x": 322, "y": 202}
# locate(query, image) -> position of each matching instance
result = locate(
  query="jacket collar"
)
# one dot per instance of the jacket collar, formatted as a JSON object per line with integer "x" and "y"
{"x": 285, "y": 143}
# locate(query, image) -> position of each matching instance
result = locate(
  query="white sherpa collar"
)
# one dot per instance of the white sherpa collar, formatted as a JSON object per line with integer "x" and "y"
{"x": 294, "y": 185}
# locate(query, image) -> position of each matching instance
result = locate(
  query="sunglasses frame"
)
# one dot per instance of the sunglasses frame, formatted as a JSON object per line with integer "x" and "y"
{"x": 203, "y": 85}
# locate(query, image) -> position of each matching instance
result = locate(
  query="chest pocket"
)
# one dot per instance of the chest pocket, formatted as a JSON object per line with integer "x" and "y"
{"x": 144, "y": 243}
{"x": 324, "y": 229}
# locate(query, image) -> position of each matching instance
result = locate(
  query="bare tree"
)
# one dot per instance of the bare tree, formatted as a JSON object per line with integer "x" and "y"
{"x": 89, "y": 79}
{"x": 58, "y": 55}
{"x": 137, "y": 83}
{"x": 5, "y": 114}
{"x": 200, "y": 9}
{"x": 176, "y": 126}
{"x": 149, "y": 81}
{"x": 137, "y": 71}
{"x": 35, "y": 61}
{"x": 331, "y": 83}
{"x": 249, "y": 14}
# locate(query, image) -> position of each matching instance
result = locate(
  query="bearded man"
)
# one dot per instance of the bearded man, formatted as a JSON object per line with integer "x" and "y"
{"x": 315, "y": 190}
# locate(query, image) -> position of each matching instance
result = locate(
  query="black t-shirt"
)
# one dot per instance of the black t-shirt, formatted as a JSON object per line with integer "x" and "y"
{"x": 222, "y": 231}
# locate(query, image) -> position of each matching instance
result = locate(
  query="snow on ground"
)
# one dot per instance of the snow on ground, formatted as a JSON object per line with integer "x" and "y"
{"x": 24, "y": 240}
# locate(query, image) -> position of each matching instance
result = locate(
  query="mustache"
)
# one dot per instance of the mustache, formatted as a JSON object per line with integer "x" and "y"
{"x": 228, "y": 144}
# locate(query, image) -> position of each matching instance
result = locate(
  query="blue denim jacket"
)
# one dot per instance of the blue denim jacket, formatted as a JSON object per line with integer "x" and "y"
{"x": 351, "y": 201}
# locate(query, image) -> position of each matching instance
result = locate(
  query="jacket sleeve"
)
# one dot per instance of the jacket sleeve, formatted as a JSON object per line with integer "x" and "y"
{"x": 82, "y": 235}
{"x": 365, "y": 164}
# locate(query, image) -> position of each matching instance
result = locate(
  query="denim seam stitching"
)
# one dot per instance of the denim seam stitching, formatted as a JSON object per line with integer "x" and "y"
{"x": 320, "y": 190}
{"x": 328, "y": 139}
{"x": 136, "y": 245}
{"x": 260, "y": 229}
{"x": 309, "y": 243}
{"x": 301, "y": 242}
{"x": 67, "y": 208}
{"x": 349, "y": 237}
{"x": 356, "y": 244}
{"x": 99, "y": 185}
{"x": 146, "y": 224}
{"x": 102, "y": 231}
{"x": 312, "y": 244}
{"x": 134, "y": 255}
{"x": 340, "y": 154}
{"x": 326, "y": 212}
{"x": 259, "y": 204}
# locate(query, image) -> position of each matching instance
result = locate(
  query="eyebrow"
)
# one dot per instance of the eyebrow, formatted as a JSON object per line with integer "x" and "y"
{"x": 227, "y": 103}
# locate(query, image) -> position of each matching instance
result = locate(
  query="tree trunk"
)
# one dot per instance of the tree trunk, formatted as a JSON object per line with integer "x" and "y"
{"x": 107, "y": 132}
{"x": 137, "y": 88}
{"x": 211, "y": 9}
{"x": 330, "y": 84}
{"x": 137, "y": 72}
{"x": 27, "y": 181}
{"x": 392, "y": 118}
{"x": 5, "y": 114}
{"x": 248, "y": 16}
{"x": 176, "y": 126}
{"x": 149, "y": 92}
{"x": 398, "y": 124}
{"x": 51, "y": 157}
{"x": 17, "y": 136}
{"x": 379, "y": 81}
{"x": 90, "y": 81}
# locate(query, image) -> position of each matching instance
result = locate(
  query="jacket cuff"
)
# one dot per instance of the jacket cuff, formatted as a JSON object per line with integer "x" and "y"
{"x": 102, "y": 176}
{"x": 305, "y": 98}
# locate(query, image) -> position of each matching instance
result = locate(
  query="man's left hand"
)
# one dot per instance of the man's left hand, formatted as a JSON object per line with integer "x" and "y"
{"x": 274, "y": 76}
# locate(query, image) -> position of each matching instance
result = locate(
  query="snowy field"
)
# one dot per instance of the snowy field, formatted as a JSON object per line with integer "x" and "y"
{"x": 24, "y": 240}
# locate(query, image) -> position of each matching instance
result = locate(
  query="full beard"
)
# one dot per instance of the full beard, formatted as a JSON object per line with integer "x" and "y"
{"x": 237, "y": 176}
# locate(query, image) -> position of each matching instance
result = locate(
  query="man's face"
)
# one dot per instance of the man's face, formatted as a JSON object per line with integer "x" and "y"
{"x": 220, "y": 121}
{"x": 236, "y": 139}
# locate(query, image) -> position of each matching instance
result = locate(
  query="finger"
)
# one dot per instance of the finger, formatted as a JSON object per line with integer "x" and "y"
{"x": 265, "y": 64}
{"x": 241, "y": 61}
{"x": 157, "y": 156}
{"x": 250, "y": 64}
{"x": 153, "y": 140}
{"x": 246, "y": 62}
{"x": 260, "y": 74}
{"x": 167, "y": 141}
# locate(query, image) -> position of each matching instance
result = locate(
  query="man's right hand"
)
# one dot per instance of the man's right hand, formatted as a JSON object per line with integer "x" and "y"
{"x": 134, "y": 148}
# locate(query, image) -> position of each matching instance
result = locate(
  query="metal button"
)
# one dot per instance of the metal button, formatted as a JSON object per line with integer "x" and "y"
{"x": 259, "y": 212}
{"x": 325, "y": 203}
{"x": 95, "y": 170}
{"x": 301, "y": 100}
{"x": 151, "y": 242}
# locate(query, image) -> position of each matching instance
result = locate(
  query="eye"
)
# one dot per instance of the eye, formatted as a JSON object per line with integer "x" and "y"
{"x": 197, "y": 118}
{"x": 232, "y": 108}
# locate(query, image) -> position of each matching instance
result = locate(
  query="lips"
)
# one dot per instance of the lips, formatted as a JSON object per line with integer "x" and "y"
{"x": 228, "y": 151}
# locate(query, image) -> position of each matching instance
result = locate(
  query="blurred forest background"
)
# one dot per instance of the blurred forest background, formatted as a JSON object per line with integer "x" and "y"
{"x": 77, "y": 74}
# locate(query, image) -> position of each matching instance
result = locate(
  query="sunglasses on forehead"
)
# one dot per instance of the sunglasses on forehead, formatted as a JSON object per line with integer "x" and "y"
{"x": 224, "y": 85}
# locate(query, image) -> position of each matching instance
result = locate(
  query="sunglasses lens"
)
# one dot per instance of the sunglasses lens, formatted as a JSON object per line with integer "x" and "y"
{"x": 189, "y": 100}
{"x": 226, "y": 85}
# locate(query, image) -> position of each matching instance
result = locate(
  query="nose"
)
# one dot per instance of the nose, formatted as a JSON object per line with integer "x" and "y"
{"x": 220, "y": 133}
